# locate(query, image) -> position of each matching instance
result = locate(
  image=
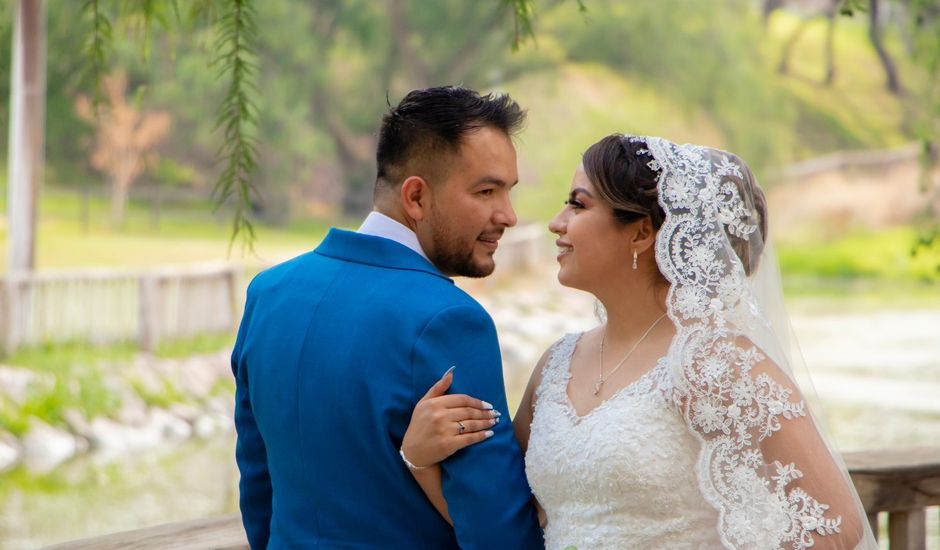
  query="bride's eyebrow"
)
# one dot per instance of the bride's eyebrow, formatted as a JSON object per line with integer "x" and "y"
{"x": 575, "y": 191}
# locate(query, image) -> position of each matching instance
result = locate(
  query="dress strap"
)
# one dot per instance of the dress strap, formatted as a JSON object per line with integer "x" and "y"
{"x": 555, "y": 372}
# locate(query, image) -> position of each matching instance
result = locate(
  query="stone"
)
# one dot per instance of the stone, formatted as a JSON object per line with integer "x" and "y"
{"x": 205, "y": 426}
{"x": 9, "y": 451}
{"x": 171, "y": 427}
{"x": 45, "y": 447}
{"x": 77, "y": 422}
{"x": 15, "y": 383}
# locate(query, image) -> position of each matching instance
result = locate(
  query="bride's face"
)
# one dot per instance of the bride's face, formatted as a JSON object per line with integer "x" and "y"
{"x": 593, "y": 247}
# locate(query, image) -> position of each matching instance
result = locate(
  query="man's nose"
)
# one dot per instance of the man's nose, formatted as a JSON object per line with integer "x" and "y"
{"x": 506, "y": 215}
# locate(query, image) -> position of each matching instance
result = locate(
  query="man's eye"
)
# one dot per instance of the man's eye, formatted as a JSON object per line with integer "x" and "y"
{"x": 486, "y": 192}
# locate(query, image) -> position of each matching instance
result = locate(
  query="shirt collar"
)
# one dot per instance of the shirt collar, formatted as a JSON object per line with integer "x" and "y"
{"x": 380, "y": 225}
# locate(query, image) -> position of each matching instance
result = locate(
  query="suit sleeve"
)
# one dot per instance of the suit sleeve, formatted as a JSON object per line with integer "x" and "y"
{"x": 250, "y": 454}
{"x": 485, "y": 485}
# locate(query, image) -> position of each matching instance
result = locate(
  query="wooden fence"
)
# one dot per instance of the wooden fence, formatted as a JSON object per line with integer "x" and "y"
{"x": 902, "y": 483}
{"x": 107, "y": 306}
{"x": 110, "y": 306}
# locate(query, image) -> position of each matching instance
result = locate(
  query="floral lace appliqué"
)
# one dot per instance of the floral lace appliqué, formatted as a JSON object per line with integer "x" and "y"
{"x": 727, "y": 405}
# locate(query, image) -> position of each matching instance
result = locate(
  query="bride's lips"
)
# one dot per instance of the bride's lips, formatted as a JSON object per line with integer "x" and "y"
{"x": 563, "y": 249}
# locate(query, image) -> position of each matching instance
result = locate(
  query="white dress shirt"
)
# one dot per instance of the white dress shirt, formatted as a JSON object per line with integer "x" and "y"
{"x": 380, "y": 225}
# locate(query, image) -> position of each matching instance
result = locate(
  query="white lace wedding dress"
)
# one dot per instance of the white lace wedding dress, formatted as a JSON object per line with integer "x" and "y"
{"x": 621, "y": 476}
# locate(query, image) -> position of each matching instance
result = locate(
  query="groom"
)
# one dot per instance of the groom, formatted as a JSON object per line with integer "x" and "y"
{"x": 337, "y": 346}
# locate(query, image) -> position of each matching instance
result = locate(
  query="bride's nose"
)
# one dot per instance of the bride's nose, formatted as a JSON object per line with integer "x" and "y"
{"x": 558, "y": 223}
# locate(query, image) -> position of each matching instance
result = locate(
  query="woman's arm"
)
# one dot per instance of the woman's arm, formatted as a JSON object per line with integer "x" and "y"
{"x": 426, "y": 442}
{"x": 430, "y": 481}
{"x": 430, "y": 436}
{"x": 522, "y": 421}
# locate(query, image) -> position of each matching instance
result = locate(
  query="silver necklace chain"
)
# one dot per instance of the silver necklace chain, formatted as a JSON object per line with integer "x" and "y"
{"x": 600, "y": 364}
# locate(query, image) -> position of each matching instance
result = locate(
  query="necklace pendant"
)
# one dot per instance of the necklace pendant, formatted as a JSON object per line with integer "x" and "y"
{"x": 597, "y": 386}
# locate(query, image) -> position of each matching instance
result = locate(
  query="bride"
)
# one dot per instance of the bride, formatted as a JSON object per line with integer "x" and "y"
{"x": 678, "y": 422}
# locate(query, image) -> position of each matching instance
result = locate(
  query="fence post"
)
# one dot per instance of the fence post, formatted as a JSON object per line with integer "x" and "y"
{"x": 149, "y": 304}
{"x": 232, "y": 280}
{"x": 6, "y": 325}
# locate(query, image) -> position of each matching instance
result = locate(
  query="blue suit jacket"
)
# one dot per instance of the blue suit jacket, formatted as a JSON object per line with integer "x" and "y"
{"x": 334, "y": 350}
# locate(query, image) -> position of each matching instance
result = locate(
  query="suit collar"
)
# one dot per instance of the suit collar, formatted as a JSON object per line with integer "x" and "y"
{"x": 372, "y": 250}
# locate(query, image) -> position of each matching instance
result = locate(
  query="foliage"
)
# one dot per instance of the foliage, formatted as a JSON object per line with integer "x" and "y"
{"x": 237, "y": 116}
{"x": 125, "y": 139}
{"x": 862, "y": 255}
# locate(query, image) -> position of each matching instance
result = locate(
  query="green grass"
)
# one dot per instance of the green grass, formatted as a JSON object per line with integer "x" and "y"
{"x": 861, "y": 256}
{"x": 186, "y": 234}
{"x": 197, "y": 345}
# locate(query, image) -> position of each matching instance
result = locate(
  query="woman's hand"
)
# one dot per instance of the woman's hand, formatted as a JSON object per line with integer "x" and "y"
{"x": 443, "y": 424}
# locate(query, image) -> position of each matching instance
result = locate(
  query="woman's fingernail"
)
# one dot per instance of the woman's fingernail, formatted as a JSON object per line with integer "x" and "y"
{"x": 493, "y": 421}
{"x": 448, "y": 371}
{"x": 497, "y": 413}
{"x": 488, "y": 434}
{"x": 487, "y": 406}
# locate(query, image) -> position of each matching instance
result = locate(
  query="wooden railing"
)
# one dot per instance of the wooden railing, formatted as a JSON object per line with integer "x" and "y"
{"x": 901, "y": 483}
{"x": 110, "y": 306}
{"x": 106, "y": 306}
{"x": 905, "y": 485}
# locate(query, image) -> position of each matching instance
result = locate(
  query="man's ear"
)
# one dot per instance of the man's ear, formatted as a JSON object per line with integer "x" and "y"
{"x": 416, "y": 197}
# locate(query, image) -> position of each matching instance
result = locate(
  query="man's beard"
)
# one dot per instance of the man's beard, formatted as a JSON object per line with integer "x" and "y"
{"x": 452, "y": 257}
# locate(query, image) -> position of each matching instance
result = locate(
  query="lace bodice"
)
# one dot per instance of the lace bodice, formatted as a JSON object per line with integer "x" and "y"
{"x": 621, "y": 476}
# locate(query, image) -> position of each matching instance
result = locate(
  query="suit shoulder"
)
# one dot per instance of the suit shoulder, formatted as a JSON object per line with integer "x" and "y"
{"x": 273, "y": 275}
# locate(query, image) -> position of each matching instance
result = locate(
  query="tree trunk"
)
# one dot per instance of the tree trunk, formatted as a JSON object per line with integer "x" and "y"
{"x": 119, "y": 189}
{"x": 874, "y": 34}
{"x": 830, "y": 49}
{"x": 27, "y": 129}
{"x": 784, "y": 66}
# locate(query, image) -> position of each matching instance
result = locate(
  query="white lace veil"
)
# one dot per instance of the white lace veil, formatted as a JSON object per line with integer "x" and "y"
{"x": 764, "y": 463}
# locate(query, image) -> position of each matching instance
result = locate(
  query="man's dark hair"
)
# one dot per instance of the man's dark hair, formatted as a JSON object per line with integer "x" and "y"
{"x": 418, "y": 136}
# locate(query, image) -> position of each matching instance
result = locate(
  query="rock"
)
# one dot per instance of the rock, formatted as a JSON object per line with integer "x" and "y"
{"x": 15, "y": 383}
{"x": 45, "y": 447}
{"x": 205, "y": 425}
{"x": 197, "y": 377}
{"x": 107, "y": 436}
{"x": 77, "y": 423}
{"x": 187, "y": 412}
{"x": 9, "y": 451}
{"x": 133, "y": 410}
{"x": 171, "y": 427}
{"x": 222, "y": 404}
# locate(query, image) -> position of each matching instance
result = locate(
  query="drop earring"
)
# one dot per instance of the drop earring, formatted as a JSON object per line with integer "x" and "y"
{"x": 634, "y": 259}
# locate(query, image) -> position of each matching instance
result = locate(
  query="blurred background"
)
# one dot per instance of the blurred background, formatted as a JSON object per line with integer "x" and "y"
{"x": 115, "y": 389}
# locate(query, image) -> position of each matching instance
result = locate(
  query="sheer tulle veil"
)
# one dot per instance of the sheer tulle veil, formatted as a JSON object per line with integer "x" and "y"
{"x": 765, "y": 462}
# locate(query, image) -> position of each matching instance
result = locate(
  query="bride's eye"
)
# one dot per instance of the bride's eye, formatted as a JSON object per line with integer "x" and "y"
{"x": 574, "y": 203}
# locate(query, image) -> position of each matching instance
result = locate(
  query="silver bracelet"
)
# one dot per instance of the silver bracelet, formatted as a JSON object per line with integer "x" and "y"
{"x": 412, "y": 467}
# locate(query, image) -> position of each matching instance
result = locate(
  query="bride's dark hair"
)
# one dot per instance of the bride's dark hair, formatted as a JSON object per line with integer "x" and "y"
{"x": 618, "y": 167}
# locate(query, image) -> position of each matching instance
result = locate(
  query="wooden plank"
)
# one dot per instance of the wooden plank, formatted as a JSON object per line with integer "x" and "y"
{"x": 896, "y": 479}
{"x": 907, "y": 530}
{"x": 873, "y": 523}
{"x": 219, "y": 533}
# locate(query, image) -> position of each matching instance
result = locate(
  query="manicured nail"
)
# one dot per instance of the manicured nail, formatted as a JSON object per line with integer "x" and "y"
{"x": 493, "y": 421}
{"x": 448, "y": 371}
{"x": 488, "y": 433}
{"x": 497, "y": 413}
{"x": 487, "y": 406}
